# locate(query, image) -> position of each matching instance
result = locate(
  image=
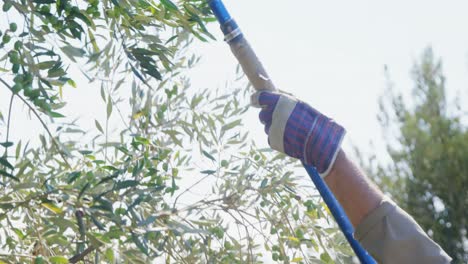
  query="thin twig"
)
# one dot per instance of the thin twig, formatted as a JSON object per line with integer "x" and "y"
{"x": 81, "y": 228}
{"x": 8, "y": 124}
{"x": 188, "y": 189}
{"x": 16, "y": 255}
{"x": 82, "y": 255}
{"x": 42, "y": 122}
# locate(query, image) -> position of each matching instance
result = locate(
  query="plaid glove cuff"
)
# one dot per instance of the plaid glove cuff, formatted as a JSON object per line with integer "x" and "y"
{"x": 323, "y": 144}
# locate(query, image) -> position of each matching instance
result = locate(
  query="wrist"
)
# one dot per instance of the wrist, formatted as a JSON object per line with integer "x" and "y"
{"x": 356, "y": 194}
{"x": 331, "y": 179}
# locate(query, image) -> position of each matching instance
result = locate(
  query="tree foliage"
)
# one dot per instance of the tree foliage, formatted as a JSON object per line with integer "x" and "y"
{"x": 179, "y": 180}
{"x": 428, "y": 144}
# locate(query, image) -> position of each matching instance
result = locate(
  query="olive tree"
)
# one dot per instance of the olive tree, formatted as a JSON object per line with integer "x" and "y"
{"x": 427, "y": 141}
{"x": 178, "y": 181}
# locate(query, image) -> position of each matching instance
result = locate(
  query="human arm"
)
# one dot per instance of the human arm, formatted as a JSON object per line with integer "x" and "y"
{"x": 345, "y": 180}
{"x": 385, "y": 230}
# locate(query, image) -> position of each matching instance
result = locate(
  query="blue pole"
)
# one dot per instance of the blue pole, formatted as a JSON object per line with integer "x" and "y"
{"x": 220, "y": 11}
{"x": 339, "y": 215}
{"x": 233, "y": 34}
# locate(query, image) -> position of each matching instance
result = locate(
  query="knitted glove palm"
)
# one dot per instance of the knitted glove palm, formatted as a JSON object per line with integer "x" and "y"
{"x": 298, "y": 130}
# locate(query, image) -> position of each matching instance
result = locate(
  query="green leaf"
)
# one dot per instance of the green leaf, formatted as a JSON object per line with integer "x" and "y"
{"x": 82, "y": 191}
{"x": 208, "y": 155}
{"x": 46, "y": 65}
{"x": 103, "y": 92}
{"x": 6, "y": 174}
{"x": 148, "y": 221}
{"x": 126, "y": 184}
{"x": 98, "y": 126}
{"x": 72, "y": 52}
{"x": 23, "y": 168}
{"x": 231, "y": 125}
{"x": 209, "y": 172}
{"x": 195, "y": 101}
{"x": 52, "y": 207}
{"x": 143, "y": 247}
{"x": 18, "y": 150}
{"x": 264, "y": 183}
{"x": 109, "y": 255}
{"x": 6, "y": 163}
{"x": 326, "y": 258}
{"x": 19, "y": 233}
{"x": 71, "y": 83}
{"x": 56, "y": 72}
{"x": 85, "y": 152}
{"x": 45, "y": 1}
{"x": 169, "y": 5}
{"x": 6, "y": 206}
{"x": 109, "y": 107}
{"x": 58, "y": 260}
{"x": 294, "y": 239}
{"x": 174, "y": 186}
{"x": 103, "y": 204}
{"x": 97, "y": 222}
{"x": 73, "y": 176}
{"x": 137, "y": 169}
{"x": 173, "y": 134}
{"x": 56, "y": 115}
{"x": 142, "y": 140}
{"x": 6, "y": 144}
{"x": 153, "y": 72}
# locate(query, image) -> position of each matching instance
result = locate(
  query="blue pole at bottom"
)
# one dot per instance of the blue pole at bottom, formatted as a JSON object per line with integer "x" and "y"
{"x": 339, "y": 215}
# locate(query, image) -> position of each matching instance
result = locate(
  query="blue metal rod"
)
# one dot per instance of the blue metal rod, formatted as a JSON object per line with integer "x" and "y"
{"x": 220, "y": 11}
{"x": 339, "y": 215}
{"x": 229, "y": 26}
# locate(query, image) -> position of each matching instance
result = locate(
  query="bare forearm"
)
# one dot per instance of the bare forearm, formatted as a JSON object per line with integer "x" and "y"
{"x": 385, "y": 230}
{"x": 356, "y": 194}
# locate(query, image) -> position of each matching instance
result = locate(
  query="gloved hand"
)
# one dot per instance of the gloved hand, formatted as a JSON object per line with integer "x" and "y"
{"x": 298, "y": 130}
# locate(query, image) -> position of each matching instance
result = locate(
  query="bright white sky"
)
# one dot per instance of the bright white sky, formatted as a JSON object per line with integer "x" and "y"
{"x": 328, "y": 53}
{"x": 332, "y": 53}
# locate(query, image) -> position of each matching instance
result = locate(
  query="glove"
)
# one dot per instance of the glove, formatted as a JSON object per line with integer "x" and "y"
{"x": 298, "y": 130}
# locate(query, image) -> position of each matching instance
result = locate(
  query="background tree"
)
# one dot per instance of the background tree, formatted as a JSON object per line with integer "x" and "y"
{"x": 169, "y": 175}
{"x": 428, "y": 144}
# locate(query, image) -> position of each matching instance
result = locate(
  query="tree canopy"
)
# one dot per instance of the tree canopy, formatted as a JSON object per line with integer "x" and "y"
{"x": 178, "y": 181}
{"x": 428, "y": 143}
